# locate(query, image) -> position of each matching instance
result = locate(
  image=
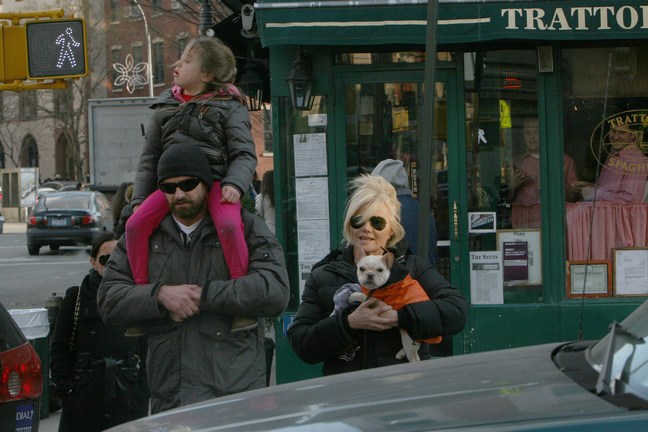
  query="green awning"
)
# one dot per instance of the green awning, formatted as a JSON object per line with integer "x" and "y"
{"x": 375, "y": 22}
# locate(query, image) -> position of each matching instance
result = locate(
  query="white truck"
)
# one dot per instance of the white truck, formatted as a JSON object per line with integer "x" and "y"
{"x": 116, "y": 138}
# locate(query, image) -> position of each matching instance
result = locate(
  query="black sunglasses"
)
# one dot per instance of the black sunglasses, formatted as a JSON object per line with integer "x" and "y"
{"x": 377, "y": 222}
{"x": 103, "y": 259}
{"x": 184, "y": 185}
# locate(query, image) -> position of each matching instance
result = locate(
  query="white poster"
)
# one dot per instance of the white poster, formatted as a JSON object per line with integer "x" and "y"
{"x": 631, "y": 271}
{"x": 310, "y": 154}
{"x": 304, "y": 270}
{"x": 311, "y": 195}
{"x": 313, "y": 239}
{"x": 486, "y": 277}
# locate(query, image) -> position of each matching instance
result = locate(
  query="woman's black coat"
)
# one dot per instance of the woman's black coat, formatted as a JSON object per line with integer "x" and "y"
{"x": 81, "y": 388}
{"x": 315, "y": 335}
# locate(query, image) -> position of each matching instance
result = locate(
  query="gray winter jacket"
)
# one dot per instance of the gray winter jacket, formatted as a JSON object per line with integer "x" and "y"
{"x": 220, "y": 126}
{"x": 199, "y": 358}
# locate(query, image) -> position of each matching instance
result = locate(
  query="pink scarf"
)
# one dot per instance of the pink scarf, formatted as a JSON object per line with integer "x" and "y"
{"x": 227, "y": 90}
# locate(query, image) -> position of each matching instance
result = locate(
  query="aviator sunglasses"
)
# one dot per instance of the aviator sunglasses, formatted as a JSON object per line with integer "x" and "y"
{"x": 103, "y": 259}
{"x": 377, "y": 222}
{"x": 184, "y": 185}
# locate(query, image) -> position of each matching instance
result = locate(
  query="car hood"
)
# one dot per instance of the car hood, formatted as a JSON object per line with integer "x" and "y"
{"x": 496, "y": 390}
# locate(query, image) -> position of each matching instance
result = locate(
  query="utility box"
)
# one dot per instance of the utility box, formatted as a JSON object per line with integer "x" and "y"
{"x": 116, "y": 129}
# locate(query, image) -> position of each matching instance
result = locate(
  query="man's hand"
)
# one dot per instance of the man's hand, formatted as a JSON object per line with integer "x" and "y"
{"x": 182, "y": 301}
{"x": 373, "y": 314}
{"x": 230, "y": 194}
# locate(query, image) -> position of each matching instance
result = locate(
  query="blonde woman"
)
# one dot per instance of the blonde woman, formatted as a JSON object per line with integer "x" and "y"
{"x": 369, "y": 336}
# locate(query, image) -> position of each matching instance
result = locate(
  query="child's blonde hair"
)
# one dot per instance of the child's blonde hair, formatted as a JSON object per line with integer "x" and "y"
{"x": 216, "y": 59}
{"x": 369, "y": 194}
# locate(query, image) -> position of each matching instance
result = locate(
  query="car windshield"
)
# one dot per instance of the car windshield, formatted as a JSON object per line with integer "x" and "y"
{"x": 58, "y": 202}
{"x": 622, "y": 355}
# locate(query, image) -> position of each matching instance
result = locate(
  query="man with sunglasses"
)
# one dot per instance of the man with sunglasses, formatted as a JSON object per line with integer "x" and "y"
{"x": 188, "y": 307}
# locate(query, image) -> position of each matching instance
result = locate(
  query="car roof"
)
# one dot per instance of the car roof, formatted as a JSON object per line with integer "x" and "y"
{"x": 58, "y": 184}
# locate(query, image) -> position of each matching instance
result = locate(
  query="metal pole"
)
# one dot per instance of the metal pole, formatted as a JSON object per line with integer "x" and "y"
{"x": 148, "y": 47}
{"x": 426, "y": 146}
{"x": 206, "y": 17}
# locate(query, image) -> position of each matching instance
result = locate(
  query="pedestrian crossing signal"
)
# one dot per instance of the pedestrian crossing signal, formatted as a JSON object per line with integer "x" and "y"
{"x": 56, "y": 48}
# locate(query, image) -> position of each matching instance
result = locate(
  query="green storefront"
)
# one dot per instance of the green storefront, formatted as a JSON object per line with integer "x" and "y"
{"x": 545, "y": 262}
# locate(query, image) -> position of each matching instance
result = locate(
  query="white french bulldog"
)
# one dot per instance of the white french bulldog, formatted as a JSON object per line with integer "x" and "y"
{"x": 373, "y": 272}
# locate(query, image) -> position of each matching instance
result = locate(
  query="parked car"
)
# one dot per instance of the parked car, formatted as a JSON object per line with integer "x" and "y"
{"x": 60, "y": 185}
{"x": 583, "y": 385}
{"x": 68, "y": 219}
{"x": 21, "y": 382}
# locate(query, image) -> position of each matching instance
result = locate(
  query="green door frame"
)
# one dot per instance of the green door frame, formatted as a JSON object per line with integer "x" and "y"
{"x": 457, "y": 178}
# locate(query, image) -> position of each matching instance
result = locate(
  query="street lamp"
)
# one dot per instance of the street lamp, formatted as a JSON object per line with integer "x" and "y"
{"x": 300, "y": 84}
{"x": 252, "y": 83}
{"x": 148, "y": 48}
{"x": 206, "y": 18}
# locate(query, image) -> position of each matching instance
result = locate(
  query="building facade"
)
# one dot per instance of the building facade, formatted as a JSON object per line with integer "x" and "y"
{"x": 528, "y": 104}
{"x": 47, "y": 129}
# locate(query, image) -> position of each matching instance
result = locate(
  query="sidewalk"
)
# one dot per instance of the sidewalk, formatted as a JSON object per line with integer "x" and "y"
{"x": 14, "y": 227}
{"x": 51, "y": 423}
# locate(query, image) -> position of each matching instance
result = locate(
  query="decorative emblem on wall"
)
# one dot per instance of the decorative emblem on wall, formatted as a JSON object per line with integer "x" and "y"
{"x": 130, "y": 74}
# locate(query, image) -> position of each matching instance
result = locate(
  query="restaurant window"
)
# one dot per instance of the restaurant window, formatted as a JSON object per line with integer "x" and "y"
{"x": 389, "y": 57}
{"x": 158, "y": 63}
{"x": 115, "y": 54}
{"x": 605, "y": 106}
{"x": 503, "y": 158}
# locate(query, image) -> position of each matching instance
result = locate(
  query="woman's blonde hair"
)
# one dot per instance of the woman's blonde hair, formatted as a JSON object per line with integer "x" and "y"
{"x": 369, "y": 194}
{"x": 216, "y": 59}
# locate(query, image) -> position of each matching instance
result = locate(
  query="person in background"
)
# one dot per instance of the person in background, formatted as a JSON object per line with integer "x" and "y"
{"x": 623, "y": 177}
{"x": 189, "y": 305}
{"x": 256, "y": 184}
{"x": 394, "y": 172}
{"x": 206, "y": 110}
{"x": 369, "y": 336}
{"x": 121, "y": 207}
{"x": 86, "y": 354}
{"x": 265, "y": 204}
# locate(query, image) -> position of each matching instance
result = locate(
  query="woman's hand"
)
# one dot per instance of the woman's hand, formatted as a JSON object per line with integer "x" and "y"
{"x": 373, "y": 314}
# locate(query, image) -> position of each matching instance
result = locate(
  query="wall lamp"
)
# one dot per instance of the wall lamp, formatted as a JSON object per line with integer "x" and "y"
{"x": 300, "y": 84}
{"x": 252, "y": 83}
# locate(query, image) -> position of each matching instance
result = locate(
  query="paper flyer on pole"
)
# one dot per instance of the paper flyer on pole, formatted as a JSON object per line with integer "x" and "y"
{"x": 310, "y": 154}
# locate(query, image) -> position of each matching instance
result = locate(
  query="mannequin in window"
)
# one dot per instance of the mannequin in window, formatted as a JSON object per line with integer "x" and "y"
{"x": 623, "y": 177}
{"x": 525, "y": 180}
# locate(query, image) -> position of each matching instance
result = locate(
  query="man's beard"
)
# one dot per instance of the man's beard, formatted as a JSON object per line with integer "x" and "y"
{"x": 190, "y": 211}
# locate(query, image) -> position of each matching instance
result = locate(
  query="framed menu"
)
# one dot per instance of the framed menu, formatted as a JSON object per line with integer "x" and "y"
{"x": 631, "y": 271}
{"x": 589, "y": 279}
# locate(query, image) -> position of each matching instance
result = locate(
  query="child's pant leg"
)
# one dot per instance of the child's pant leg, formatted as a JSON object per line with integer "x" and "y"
{"x": 139, "y": 228}
{"x": 228, "y": 223}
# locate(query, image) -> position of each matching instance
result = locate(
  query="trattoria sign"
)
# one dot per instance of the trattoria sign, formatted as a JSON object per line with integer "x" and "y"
{"x": 577, "y": 18}
{"x": 348, "y": 23}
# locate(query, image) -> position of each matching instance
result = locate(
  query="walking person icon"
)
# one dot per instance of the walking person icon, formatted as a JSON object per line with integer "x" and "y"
{"x": 67, "y": 42}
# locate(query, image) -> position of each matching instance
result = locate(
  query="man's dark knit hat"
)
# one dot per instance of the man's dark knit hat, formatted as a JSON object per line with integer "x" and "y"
{"x": 184, "y": 160}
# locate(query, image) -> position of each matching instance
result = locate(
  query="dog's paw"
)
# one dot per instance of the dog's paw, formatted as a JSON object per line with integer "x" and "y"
{"x": 400, "y": 355}
{"x": 357, "y": 297}
{"x": 410, "y": 348}
{"x": 412, "y": 353}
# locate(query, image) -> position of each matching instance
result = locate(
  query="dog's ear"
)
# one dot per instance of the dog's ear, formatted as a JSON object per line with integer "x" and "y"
{"x": 389, "y": 258}
{"x": 358, "y": 253}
